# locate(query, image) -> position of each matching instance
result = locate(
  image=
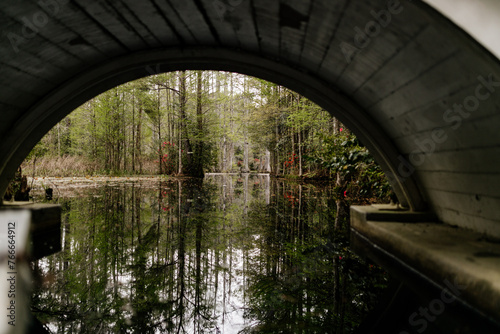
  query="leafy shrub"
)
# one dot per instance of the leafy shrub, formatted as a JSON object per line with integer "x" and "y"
{"x": 358, "y": 175}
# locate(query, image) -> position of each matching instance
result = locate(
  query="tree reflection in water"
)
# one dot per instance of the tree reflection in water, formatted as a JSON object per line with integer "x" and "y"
{"x": 229, "y": 254}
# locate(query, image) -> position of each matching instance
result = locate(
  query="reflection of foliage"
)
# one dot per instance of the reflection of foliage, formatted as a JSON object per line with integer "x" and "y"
{"x": 114, "y": 275}
{"x": 308, "y": 278}
{"x": 359, "y": 174}
{"x": 165, "y": 257}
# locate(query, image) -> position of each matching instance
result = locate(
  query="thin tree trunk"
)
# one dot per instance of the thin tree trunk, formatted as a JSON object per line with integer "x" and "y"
{"x": 300, "y": 153}
{"x": 246, "y": 169}
{"x": 133, "y": 132}
{"x": 187, "y": 168}
{"x": 138, "y": 138}
{"x": 198, "y": 153}
{"x": 160, "y": 155}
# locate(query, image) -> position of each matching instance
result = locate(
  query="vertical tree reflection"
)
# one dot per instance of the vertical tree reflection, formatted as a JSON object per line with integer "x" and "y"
{"x": 227, "y": 254}
{"x": 307, "y": 281}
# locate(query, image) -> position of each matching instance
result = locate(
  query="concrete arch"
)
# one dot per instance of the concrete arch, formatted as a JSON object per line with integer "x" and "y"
{"x": 420, "y": 93}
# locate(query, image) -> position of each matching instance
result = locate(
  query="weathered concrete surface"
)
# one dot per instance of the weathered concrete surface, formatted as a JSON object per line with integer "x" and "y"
{"x": 44, "y": 228}
{"x": 418, "y": 91}
{"x": 479, "y": 18}
{"x": 442, "y": 253}
{"x": 15, "y": 274}
{"x": 391, "y": 213}
{"x": 27, "y": 232}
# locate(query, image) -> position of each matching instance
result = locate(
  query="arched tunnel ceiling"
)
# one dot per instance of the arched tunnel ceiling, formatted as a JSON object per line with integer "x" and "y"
{"x": 419, "y": 91}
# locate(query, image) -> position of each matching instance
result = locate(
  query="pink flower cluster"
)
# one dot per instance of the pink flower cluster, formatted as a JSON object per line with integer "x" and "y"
{"x": 165, "y": 143}
{"x": 165, "y": 146}
{"x": 290, "y": 161}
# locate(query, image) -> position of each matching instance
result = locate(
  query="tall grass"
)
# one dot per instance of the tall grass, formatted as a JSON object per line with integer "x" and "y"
{"x": 69, "y": 165}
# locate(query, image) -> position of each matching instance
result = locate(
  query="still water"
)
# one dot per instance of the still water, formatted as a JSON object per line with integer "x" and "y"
{"x": 229, "y": 254}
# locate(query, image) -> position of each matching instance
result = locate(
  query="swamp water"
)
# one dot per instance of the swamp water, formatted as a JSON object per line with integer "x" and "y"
{"x": 229, "y": 254}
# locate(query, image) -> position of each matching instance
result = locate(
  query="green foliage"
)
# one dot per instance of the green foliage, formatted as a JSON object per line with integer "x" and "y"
{"x": 358, "y": 173}
{"x": 39, "y": 150}
{"x": 213, "y": 122}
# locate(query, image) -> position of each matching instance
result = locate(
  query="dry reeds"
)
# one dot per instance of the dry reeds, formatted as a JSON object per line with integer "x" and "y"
{"x": 59, "y": 166}
{"x": 68, "y": 165}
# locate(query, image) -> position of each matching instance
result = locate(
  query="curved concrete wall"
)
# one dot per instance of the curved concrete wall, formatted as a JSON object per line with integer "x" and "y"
{"x": 479, "y": 18}
{"x": 421, "y": 93}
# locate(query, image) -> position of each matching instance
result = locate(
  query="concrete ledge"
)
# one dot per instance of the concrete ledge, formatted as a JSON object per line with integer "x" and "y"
{"x": 36, "y": 232}
{"x": 440, "y": 253}
{"x": 391, "y": 213}
{"x": 45, "y": 227}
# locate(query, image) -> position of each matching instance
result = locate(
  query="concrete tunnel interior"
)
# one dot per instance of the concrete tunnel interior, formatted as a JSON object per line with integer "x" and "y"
{"x": 418, "y": 90}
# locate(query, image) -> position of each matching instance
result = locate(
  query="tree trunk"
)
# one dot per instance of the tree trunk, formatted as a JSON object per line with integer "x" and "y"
{"x": 300, "y": 153}
{"x": 158, "y": 123}
{"x": 246, "y": 169}
{"x": 138, "y": 139}
{"x": 133, "y": 132}
{"x": 198, "y": 150}
{"x": 184, "y": 168}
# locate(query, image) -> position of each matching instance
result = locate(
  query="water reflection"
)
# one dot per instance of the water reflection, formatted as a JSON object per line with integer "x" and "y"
{"x": 230, "y": 254}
